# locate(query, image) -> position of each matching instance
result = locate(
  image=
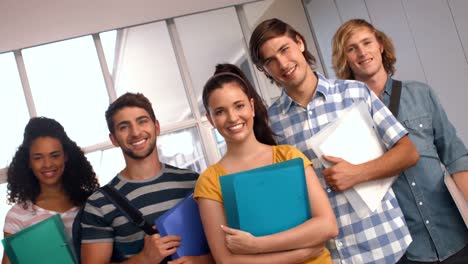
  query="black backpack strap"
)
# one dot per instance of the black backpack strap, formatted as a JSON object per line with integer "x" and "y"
{"x": 124, "y": 205}
{"x": 395, "y": 97}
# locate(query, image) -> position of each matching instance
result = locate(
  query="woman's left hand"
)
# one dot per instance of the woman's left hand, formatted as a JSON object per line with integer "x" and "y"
{"x": 240, "y": 242}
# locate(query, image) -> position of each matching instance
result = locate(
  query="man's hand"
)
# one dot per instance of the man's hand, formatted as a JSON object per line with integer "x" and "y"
{"x": 240, "y": 242}
{"x": 205, "y": 259}
{"x": 156, "y": 248}
{"x": 342, "y": 175}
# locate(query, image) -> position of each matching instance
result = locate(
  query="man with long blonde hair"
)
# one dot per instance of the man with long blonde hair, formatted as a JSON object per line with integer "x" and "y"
{"x": 363, "y": 53}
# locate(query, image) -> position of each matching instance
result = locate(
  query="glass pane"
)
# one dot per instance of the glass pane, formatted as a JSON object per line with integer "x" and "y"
{"x": 207, "y": 39}
{"x": 182, "y": 149}
{"x": 108, "y": 40}
{"x": 4, "y": 207}
{"x": 106, "y": 163}
{"x": 148, "y": 65}
{"x": 67, "y": 85}
{"x": 13, "y": 110}
{"x": 220, "y": 142}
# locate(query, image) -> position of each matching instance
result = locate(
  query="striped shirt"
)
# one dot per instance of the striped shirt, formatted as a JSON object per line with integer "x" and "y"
{"x": 19, "y": 218}
{"x": 381, "y": 237}
{"x": 103, "y": 222}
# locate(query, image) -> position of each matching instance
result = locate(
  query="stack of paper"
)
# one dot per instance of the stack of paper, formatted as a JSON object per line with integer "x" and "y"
{"x": 41, "y": 243}
{"x": 267, "y": 200}
{"x": 353, "y": 138}
{"x": 184, "y": 220}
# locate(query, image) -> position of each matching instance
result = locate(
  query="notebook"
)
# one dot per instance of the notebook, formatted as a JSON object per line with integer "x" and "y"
{"x": 268, "y": 199}
{"x": 184, "y": 220}
{"x": 41, "y": 243}
{"x": 353, "y": 138}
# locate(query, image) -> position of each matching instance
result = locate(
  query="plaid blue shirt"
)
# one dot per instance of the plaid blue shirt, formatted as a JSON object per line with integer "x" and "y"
{"x": 383, "y": 236}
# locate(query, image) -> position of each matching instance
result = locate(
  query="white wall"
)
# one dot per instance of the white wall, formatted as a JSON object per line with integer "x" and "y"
{"x": 26, "y": 23}
{"x": 430, "y": 37}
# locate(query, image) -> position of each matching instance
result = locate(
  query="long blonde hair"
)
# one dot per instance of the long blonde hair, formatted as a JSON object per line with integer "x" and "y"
{"x": 339, "y": 61}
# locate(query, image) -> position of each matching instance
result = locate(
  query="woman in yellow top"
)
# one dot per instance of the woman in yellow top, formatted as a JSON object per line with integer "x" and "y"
{"x": 236, "y": 110}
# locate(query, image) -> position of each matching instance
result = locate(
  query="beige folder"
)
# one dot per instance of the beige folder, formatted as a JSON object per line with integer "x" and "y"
{"x": 457, "y": 197}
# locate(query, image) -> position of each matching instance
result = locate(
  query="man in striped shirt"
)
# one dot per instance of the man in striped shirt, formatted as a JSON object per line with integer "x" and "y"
{"x": 309, "y": 102}
{"x": 151, "y": 186}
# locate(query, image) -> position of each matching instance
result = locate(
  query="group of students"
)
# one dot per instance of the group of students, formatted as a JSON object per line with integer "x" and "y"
{"x": 416, "y": 221}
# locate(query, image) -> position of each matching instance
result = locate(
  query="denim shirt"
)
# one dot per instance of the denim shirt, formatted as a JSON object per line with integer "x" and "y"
{"x": 433, "y": 219}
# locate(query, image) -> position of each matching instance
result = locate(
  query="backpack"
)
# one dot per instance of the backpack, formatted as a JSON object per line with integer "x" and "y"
{"x": 125, "y": 207}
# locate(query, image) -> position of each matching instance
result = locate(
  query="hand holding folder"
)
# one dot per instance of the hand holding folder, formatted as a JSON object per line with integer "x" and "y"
{"x": 184, "y": 220}
{"x": 266, "y": 200}
{"x": 41, "y": 243}
{"x": 353, "y": 138}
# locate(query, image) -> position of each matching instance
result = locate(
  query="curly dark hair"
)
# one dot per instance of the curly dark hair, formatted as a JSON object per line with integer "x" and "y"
{"x": 228, "y": 73}
{"x": 79, "y": 178}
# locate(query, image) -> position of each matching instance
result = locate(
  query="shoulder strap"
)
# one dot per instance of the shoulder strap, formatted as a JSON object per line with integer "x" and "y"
{"x": 395, "y": 97}
{"x": 124, "y": 205}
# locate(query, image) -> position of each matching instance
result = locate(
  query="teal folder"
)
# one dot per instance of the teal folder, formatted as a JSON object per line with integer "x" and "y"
{"x": 41, "y": 243}
{"x": 268, "y": 199}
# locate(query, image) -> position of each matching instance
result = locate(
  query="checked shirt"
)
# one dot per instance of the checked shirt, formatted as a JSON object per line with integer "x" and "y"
{"x": 381, "y": 237}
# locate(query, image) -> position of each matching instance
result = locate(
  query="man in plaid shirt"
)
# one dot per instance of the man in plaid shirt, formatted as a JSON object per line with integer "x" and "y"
{"x": 309, "y": 102}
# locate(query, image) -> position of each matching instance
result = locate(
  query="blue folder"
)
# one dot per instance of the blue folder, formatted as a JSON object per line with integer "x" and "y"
{"x": 184, "y": 220}
{"x": 41, "y": 243}
{"x": 266, "y": 200}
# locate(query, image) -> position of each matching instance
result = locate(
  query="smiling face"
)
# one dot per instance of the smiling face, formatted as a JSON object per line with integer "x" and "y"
{"x": 284, "y": 61}
{"x": 47, "y": 160}
{"x": 231, "y": 113}
{"x": 364, "y": 54}
{"x": 135, "y": 133}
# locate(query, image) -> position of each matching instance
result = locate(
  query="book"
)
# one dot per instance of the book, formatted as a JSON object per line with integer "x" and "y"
{"x": 41, "y": 243}
{"x": 353, "y": 138}
{"x": 458, "y": 197}
{"x": 184, "y": 220}
{"x": 268, "y": 199}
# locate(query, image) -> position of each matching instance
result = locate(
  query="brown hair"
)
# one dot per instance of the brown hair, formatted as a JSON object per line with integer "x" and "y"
{"x": 128, "y": 100}
{"x": 269, "y": 29}
{"x": 340, "y": 63}
{"x": 228, "y": 73}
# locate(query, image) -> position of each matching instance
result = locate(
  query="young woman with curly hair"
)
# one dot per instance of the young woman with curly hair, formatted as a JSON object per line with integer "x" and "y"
{"x": 49, "y": 175}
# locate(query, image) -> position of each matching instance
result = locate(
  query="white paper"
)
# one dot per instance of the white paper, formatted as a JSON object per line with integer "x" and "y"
{"x": 353, "y": 138}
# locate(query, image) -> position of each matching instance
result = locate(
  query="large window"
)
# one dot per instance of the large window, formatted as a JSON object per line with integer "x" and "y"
{"x": 147, "y": 64}
{"x": 67, "y": 85}
{"x": 13, "y": 110}
{"x": 208, "y": 39}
